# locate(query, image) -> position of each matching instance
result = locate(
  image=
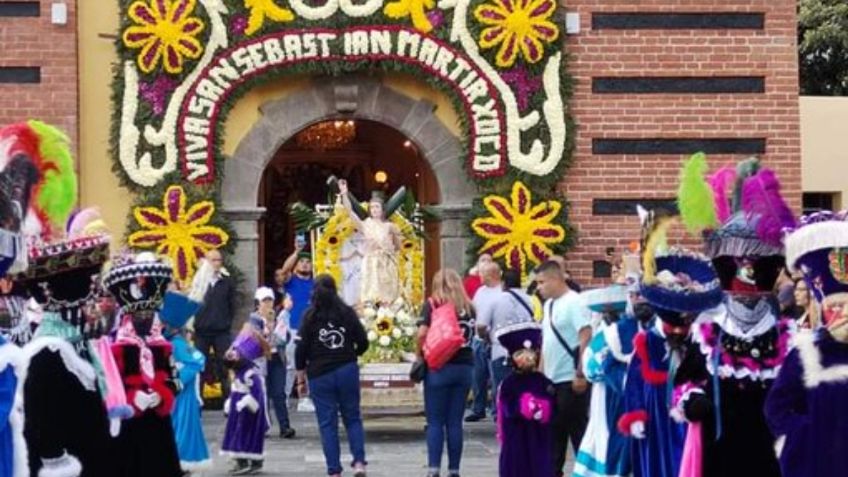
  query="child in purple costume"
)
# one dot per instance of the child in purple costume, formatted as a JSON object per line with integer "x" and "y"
{"x": 247, "y": 422}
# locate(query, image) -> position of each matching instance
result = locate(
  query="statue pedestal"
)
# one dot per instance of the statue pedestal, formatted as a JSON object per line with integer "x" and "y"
{"x": 386, "y": 388}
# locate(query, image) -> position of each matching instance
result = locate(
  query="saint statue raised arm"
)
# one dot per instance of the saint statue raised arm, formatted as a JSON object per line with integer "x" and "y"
{"x": 380, "y": 281}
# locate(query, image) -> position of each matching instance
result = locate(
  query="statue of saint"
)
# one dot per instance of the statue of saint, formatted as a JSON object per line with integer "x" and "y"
{"x": 380, "y": 281}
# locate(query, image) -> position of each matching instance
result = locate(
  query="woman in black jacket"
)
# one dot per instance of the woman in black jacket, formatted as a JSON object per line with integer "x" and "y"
{"x": 331, "y": 339}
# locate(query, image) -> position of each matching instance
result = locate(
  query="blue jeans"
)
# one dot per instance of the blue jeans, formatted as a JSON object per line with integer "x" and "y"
{"x": 334, "y": 392}
{"x": 500, "y": 369}
{"x": 445, "y": 391}
{"x": 480, "y": 379}
{"x": 277, "y": 389}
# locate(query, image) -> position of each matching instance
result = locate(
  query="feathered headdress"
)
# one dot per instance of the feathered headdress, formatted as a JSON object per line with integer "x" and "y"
{"x": 53, "y": 192}
{"x": 747, "y": 221}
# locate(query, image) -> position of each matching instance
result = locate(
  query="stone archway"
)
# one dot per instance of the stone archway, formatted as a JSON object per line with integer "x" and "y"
{"x": 359, "y": 98}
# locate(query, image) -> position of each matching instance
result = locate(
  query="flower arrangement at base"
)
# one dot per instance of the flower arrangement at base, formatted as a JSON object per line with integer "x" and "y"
{"x": 391, "y": 331}
{"x": 179, "y": 231}
{"x": 518, "y": 230}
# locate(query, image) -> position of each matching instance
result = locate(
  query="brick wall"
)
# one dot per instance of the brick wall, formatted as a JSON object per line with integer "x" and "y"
{"x": 38, "y": 66}
{"x": 756, "y": 109}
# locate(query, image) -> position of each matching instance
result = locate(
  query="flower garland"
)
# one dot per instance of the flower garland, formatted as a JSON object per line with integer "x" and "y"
{"x": 165, "y": 31}
{"x": 328, "y": 248}
{"x": 517, "y": 26}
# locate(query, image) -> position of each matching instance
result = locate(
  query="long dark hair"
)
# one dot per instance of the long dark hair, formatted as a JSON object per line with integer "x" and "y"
{"x": 325, "y": 302}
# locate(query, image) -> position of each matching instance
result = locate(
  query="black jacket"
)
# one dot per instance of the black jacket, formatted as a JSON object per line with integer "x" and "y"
{"x": 219, "y": 308}
{"x": 329, "y": 342}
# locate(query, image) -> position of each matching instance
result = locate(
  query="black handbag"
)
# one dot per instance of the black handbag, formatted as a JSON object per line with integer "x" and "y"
{"x": 418, "y": 371}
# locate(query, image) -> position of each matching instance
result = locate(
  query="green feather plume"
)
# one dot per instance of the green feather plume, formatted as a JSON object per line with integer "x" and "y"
{"x": 57, "y": 195}
{"x": 744, "y": 170}
{"x": 695, "y": 197}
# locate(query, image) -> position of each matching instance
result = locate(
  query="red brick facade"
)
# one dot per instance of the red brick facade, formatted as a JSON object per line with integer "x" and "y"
{"x": 772, "y": 115}
{"x": 35, "y": 42}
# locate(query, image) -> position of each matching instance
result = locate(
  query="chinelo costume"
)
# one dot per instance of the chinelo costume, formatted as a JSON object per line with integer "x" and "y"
{"x": 188, "y": 428}
{"x": 525, "y": 404}
{"x": 678, "y": 285}
{"x": 247, "y": 422}
{"x": 806, "y": 405}
{"x": 741, "y": 344}
{"x": 13, "y": 452}
{"x": 604, "y": 451}
{"x": 146, "y": 445}
{"x": 66, "y": 427}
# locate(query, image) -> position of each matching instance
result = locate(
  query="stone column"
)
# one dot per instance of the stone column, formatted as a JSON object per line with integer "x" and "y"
{"x": 245, "y": 221}
{"x": 454, "y": 235}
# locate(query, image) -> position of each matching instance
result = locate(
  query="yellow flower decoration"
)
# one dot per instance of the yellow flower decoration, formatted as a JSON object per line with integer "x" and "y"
{"x": 165, "y": 31}
{"x": 180, "y": 232}
{"x": 415, "y": 9}
{"x": 517, "y": 229}
{"x": 264, "y": 9}
{"x": 517, "y": 25}
{"x": 384, "y": 326}
{"x": 337, "y": 231}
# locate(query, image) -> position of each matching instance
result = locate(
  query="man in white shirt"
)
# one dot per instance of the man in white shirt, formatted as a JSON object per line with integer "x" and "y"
{"x": 566, "y": 331}
{"x": 484, "y": 300}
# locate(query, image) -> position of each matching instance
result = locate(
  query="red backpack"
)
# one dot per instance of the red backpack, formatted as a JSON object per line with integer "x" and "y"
{"x": 444, "y": 338}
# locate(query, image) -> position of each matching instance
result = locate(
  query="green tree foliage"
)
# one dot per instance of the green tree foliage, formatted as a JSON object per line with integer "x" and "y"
{"x": 823, "y": 47}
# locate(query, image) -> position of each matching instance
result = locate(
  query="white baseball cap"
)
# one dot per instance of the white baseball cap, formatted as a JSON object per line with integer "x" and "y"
{"x": 263, "y": 293}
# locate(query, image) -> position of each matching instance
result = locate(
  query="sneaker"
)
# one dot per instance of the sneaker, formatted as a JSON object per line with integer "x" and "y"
{"x": 359, "y": 469}
{"x": 255, "y": 467}
{"x": 242, "y": 468}
{"x": 288, "y": 433}
{"x": 432, "y": 474}
{"x": 237, "y": 464}
{"x": 475, "y": 417}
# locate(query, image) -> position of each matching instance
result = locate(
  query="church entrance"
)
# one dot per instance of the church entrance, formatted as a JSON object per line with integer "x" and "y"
{"x": 370, "y": 155}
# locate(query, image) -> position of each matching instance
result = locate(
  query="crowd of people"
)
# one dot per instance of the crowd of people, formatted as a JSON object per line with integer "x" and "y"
{"x": 728, "y": 363}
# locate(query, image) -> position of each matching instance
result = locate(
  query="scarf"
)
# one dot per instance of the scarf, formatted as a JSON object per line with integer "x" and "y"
{"x": 746, "y": 318}
{"x": 128, "y": 336}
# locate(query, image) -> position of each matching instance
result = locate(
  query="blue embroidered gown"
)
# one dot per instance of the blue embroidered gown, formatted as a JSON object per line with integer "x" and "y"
{"x": 647, "y": 393}
{"x": 12, "y": 446}
{"x": 604, "y": 451}
{"x": 188, "y": 429}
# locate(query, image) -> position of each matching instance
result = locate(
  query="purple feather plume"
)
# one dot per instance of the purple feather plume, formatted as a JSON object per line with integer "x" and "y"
{"x": 71, "y": 220}
{"x": 762, "y": 202}
{"x": 720, "y": 182}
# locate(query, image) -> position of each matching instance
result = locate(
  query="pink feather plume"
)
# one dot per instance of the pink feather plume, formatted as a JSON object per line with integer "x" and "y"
{"x": 720, "y": 182}
{"x": 762, "y": 202}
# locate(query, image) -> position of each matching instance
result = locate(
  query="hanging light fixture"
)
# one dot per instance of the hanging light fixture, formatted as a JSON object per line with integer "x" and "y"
{"x": 327, "y": 135}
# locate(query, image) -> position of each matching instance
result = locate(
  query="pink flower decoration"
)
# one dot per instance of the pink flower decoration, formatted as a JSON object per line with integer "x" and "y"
{"x": 157, "y": 92}
{"x": 524, "y": 85}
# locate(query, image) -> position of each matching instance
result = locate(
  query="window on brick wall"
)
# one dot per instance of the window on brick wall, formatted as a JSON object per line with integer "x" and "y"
{"x": 818, "y": 201}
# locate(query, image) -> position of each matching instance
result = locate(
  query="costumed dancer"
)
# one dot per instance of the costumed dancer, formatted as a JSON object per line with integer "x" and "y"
{"x": 525, "y": 404}
{"x": 13, "y": 451}
{"x": 247, "y": 421}
{"x": 678, "y": 285}
{"x": 603, "y": 451}
{"x": 66, "y": 425}
{"x": 806, "y": 405}
{"x": 741, "y": 344}
{"x": 146, "y": 445}
{"x": 188, "y": 427}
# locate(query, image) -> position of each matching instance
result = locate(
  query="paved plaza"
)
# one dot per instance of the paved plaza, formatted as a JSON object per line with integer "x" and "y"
{"x": 395, "y": 448}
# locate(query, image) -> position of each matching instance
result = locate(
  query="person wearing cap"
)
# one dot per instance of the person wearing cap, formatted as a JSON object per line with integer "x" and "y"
{"x": 741, "y": 343}
{"x": 275, "y": 331}
{"x": 526, "y": 404}
{"x": 678, "y": 285}
{"x": 603, "y": 451}
{"x": 247, "y": 422}
{"x": 805, "y": 408}
{"x": 176, "y": 310}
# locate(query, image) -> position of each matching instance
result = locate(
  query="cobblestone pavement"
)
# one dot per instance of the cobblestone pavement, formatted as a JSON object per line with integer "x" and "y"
{"x": 395, "y": 448}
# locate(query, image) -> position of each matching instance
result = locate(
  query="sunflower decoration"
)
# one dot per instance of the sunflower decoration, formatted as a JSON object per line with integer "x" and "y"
{"x": 178, "y": 230}
{"x": 384, "y": 325}
{"x": 518, "y": 230}
{"x": 516, "y": 27}
{"x": 166, "y": 32}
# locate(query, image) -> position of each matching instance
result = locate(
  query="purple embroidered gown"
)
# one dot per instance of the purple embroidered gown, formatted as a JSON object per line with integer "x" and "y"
{"x": 244, "y": 437}
{"x": 525, "y": 443}
{"x": 806, "y": 407}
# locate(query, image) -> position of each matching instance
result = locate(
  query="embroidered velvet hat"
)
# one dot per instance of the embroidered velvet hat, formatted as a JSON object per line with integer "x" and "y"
{"x": 818, "y": 248}
{"x": 611, "y": 298}
{"x": 138, "y": 282}
{"x": 517, "y": 336}
{"x": 177, "y": 309}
